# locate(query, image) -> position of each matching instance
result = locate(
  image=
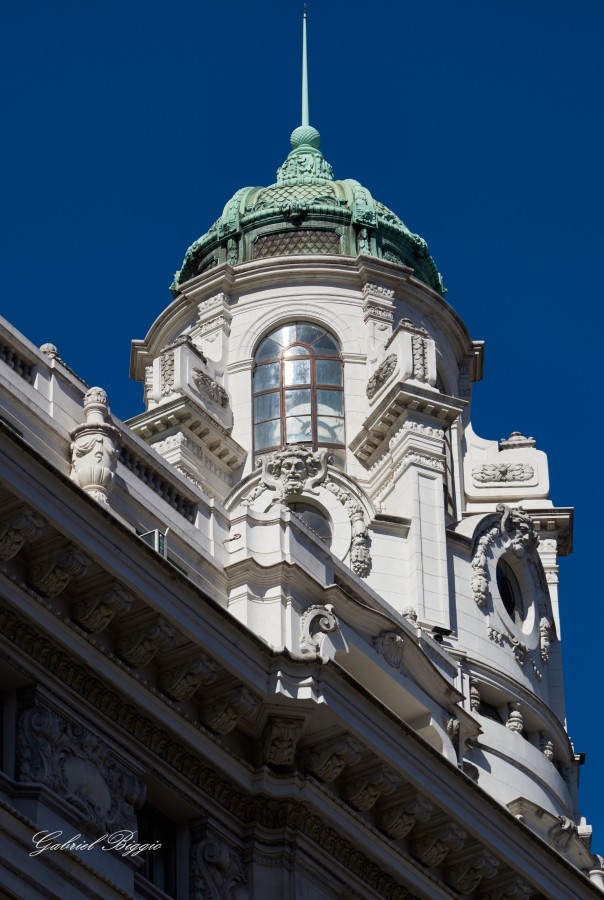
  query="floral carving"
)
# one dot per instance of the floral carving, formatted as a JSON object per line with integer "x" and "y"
{"x": 502, "y": 472}
{"x": 328, "y": 761}
{"x": 138, "y": 647}
{"x": 222, "y": 713}
{"x": 360, "y": 558}
{"x": 78, "y": 766}
{"x": 24, "y": 525}
{"x": 364, "y": 792}
{"x": 433, "y": 846}
{"x": 207, "y": 385}
{"x": 280, "y": 739}
{"x": 166, "y": 370}
{"x": 95, "y": 612}
{"x": 378, "y": 289}
{"x": 181, "y": 682}
{"x": 419, "y": 353}
{"x": 381, "y": 375}
{"x": 52, "y": 574}
{"x": 515, "y": 721}
{"x": 217, "y": 872}
{"x": 398, "y": 820}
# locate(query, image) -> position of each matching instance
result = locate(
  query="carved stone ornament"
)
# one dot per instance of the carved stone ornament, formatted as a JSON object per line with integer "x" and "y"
{"x": 517, "y": 534}
{"x": 294, "y": 470}
{"x": 360, "y": 558}
{"x": 217, "y": 871}
{"x": 381, "y": 375}
{"x": 316, "y": 621}
{"x": 182, "y": 681}
{"x": 517, "y": 441}
{"x": 502, "y": 472}
{"x": 222, "y": 713}
{"x": 79, "y": 767}
{"x": 280, "y": 740}
{"x": 434, "y": 845}
{"x": 51, "y": 574}
{"x": 364, "y": 791}
{"x": 465, "y": 876}
{"x": 95, "y": 612}
{"x": 95, "y": 448}
{"x": 24, "y": 525}
{"x": 390, "y": 645}
{"x": 545, "y": 636}
{"x": 562, "y": 833}
{"x": 398, "y": 820}
{"x": 206, "y": 385}
{"x": 474, "y": 695}
{"x": 139, "y": 646}
{"x": 515, "y": 721}
{"x": 546, "y": 746}
{"x": 379, "y": 290}
{"x": 328, "y": 761}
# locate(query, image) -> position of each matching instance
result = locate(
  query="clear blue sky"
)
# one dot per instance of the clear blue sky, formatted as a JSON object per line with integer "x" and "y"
{"x": 127, "y": 126}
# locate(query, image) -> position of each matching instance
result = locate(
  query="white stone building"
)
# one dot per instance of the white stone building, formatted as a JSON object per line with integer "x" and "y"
{"x": 295, "y": 623}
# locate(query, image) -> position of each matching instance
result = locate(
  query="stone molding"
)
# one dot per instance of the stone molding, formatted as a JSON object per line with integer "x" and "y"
{"x": 401, "y": 818}
{"x": 328, "y": 761}
{"x": 364, "y": 790}
{"x": 96, "y": 611}
{"x": 280, "y": 740}
{"x": 138, "y": 646}
{"x": 435, "y": 844}
{"x": 182, "y": 681}
{"x": 223, "y": 712}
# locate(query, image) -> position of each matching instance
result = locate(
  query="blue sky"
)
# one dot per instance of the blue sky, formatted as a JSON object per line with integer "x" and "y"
{"x": 127, "y": 126}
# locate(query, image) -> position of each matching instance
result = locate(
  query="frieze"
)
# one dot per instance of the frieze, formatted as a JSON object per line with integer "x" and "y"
{"x": 378, "y": 289}
{"x": 381, "y": 375}
{"x": 23, "y": 525}
{"x": 75, "y": 764}
{"x": 502, "y": 473}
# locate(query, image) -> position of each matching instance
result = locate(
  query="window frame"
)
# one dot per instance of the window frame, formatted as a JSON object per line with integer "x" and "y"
{"x": 313, "y": 386}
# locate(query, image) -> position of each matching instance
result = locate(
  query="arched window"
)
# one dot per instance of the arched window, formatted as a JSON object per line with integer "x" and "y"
{"x": 298, "y": 389}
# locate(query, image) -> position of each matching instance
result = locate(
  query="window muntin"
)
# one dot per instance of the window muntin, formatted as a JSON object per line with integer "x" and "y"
{"x": 298, "y": 389}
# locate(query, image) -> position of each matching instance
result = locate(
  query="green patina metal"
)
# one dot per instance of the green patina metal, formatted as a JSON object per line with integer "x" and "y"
{"x": 307, "y": 211}
{"x": 306, "y": 198}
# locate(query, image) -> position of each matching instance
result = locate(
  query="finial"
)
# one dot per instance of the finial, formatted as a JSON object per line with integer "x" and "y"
{"x": 305, "y": 119}
{"x": 305, "y": 134}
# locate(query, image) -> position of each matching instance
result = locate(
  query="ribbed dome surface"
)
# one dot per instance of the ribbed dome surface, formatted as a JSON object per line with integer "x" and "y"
{"x": 307, "y": 211}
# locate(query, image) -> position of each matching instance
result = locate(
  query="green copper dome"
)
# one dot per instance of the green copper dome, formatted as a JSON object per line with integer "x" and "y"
{"x": 307, "y": 211}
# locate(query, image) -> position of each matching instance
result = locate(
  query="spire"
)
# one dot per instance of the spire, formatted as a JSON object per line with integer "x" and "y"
{"x": 305, "y": 135}
{"x": 305, "y": 120}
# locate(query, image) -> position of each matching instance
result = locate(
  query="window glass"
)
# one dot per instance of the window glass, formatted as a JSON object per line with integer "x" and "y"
{"x": 298, "y": 396}
{"x": 297, "y": 402}
{"x": 330, "y": 403}
{"x": 298, "y": 429}
{"x": 296, "y": 371}
{"x": 330, "y": 430}
{"x": 314, "y": 518}
{"x": 266, "y": 407}
{"x": 268, "y": 434}
{"x": 510, "y": 593}
{"x": 329, "y": 371}
{"x": 266, "y": 377}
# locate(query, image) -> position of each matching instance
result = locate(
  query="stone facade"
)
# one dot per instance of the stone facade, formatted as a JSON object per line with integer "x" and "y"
{"x": 329, "y": 670}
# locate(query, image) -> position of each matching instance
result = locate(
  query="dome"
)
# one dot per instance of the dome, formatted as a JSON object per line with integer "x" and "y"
{"x": 307, "y": 211}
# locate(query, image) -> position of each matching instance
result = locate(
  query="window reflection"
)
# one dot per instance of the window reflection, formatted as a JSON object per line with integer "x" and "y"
{"x": 298, "y": 392}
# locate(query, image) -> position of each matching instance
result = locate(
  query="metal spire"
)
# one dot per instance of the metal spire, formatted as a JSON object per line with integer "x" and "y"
{"x": 305, "y": 120}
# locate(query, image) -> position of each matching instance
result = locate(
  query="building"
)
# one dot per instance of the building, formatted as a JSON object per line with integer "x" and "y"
{"x": 295, "y": 626}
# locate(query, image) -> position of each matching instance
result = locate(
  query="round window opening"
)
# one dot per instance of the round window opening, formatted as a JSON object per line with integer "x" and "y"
{"x": 510, "y": 593}
{"x": 315, "y": 520}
